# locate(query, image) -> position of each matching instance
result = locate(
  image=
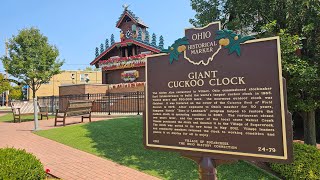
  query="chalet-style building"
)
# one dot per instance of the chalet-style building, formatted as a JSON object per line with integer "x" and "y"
{"x": 123, "y": 62}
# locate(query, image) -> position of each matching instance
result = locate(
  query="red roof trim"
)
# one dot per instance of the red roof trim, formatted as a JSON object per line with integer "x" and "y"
{"x": 146, "y": 46}
{"x": 102, "y": 54}
{"x": 126, "y": 41}
{"x": 126, "y": 13}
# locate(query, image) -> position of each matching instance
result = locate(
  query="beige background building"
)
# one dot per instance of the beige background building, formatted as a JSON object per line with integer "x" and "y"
{"x": 67, "y": 78}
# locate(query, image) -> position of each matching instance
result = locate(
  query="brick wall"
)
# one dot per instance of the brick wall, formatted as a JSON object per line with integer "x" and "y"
{"x": 127, "y": 89}
{"x": 97, "y": 88}
{"x": 71, "y": 89}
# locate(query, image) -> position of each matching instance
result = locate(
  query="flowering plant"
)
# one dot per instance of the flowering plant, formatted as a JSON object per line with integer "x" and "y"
{"x": 123, "y": 62}
{"x": 130, "y": 75}
{"x": 47, "y": 170}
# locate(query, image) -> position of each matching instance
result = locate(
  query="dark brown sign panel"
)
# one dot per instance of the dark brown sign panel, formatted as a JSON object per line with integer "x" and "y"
{"x": 219, "y": 104}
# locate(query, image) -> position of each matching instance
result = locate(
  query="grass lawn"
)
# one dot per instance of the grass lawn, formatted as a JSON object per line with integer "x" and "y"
{"x": 121, "y": 140}
{"x": 9, "y": 118}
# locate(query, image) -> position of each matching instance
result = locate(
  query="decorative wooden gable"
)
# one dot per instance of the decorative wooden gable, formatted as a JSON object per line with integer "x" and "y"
{"x": 134, "y": 44}
{"x": 130, "y": 25}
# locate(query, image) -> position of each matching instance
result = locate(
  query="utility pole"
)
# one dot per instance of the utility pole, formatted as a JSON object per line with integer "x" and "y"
{"x": 7, "y": 93}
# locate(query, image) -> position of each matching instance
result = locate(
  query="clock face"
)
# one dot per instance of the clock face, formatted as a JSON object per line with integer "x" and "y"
{"x": 128, "y": 34}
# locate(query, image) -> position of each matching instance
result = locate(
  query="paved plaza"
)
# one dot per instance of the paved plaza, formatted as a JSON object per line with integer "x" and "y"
{"x": 63, "y": 161}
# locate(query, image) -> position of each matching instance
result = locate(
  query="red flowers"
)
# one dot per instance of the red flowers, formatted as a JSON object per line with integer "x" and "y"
{"x": 47, "y": 170}
{"x": 120, "y": 59}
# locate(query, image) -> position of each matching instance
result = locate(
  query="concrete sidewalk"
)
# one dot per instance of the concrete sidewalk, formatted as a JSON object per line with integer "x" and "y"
{"x": 63, "y": 161}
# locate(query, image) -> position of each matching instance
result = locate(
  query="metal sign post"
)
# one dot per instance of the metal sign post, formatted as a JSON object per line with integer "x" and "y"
{"x": 36, "y": 121}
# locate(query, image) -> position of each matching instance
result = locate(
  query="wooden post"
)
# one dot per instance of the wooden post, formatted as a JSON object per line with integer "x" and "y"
{"x": 206, "y": 166}
{"x": 126, "y": 52}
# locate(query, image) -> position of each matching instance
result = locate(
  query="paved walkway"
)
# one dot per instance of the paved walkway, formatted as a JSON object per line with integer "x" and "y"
{"x": 63, "y": 161}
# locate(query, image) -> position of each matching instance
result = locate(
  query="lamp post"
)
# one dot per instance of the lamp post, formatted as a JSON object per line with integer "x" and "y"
{"x": 35, "y": 107}
{"x": 36, "y": 121}
{"x": 7, "y": 92}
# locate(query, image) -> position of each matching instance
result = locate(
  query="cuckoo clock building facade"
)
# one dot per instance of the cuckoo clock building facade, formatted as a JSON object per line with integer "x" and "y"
{"x": 123, "y": 62}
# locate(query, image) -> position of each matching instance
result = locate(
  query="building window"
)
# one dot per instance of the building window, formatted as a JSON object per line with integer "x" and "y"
{"x": 123, "y": 52}
{"x": 130, "y": 51}
{"x": 106, "y": 79}
{"x": 127, "y": 19}
{"x": 49, "y": 82}
{"x": 73, "y": 76}
{"x": 84, "y": 77}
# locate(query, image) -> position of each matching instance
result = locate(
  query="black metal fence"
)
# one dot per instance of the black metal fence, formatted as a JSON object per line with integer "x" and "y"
{"x": 110, "y": 103}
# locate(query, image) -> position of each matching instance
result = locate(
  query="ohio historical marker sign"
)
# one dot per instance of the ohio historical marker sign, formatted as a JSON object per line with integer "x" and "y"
{"x": 219, "y": 94}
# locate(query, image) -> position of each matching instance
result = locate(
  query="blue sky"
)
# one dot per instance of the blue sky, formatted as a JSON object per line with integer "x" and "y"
{"x": 76, "y": 27}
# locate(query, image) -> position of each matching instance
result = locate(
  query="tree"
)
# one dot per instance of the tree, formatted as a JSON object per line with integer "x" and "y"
{"x": 101, "y": 48}
{"x": 146, "y": 39}
{"x": 207, "y": 11}
{"x": 4, "y": 84}
{"x": 97, "y": 52}
{"x": 90, "y": 69}
{"x": 16, "y": 93}
{"x": 161, "y": 42}
{"x": 106, "y": 44}
{"x": 296, "y": 22}
{"x": 302, "y": 80}
{"x": 139, "y": 38}
{"x": 154, "y": 40}
{"x": 32, "y": 60}
{"x": 112, "y": 39}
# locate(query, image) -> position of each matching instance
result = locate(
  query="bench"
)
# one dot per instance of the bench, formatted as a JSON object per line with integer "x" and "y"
{"x": 81, "y": 108}
{"x": 26, "y": 108}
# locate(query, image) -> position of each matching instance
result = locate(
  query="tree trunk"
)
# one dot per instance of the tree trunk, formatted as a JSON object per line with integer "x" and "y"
{"x": 309, "y": 128}
{"x": 33, "y": 90}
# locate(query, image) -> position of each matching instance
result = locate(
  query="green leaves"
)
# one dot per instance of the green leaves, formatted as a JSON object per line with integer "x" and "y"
{"x": 4, "y": 84}
{"x": 207, "y": 11}
{"x": 176, "y": 48}
{"x": 302, "y": 76}
{"x": 18, "y": 164}
{"x": 32, "y": 60}
{"x": 231, "y": 40}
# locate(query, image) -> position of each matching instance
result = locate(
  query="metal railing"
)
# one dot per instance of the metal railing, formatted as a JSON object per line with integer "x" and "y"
{"x": 110, "y": 103}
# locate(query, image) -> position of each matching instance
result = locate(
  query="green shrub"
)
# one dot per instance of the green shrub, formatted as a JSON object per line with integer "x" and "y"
{"x": 306, "y": 164}
{"x": 18, "y": 164}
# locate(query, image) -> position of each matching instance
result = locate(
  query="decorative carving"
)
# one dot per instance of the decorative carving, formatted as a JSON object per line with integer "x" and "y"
{"x": 231, "y": 40}
{"x": 130, "y": 75}
{"x": 101, "y": 48}
{"x": 176, "y": 48}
